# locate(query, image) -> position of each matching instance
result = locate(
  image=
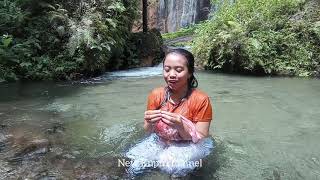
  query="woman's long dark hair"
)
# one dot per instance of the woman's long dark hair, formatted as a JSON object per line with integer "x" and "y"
{"x": 192, "y": 81}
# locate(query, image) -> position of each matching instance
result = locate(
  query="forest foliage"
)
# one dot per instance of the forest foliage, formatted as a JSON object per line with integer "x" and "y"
{"x": 58, "y": 39}
{"x": 261, "y": 37}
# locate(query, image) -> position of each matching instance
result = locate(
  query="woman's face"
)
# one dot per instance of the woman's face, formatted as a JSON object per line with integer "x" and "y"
{"x": 175, "y": 71}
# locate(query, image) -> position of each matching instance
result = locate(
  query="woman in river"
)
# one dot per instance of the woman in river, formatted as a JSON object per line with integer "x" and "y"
{"x": 178, "y": 118}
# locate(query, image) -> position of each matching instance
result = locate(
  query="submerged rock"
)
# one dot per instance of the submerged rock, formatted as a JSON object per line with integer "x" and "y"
{"x": 100, "y": 168}
{"x": 68, "y": 156}
{"x": 4, "y": 140}
{"x": 31, "y": 150}
{"x": 56, "y": 128}
{"x": 2, "y": 126}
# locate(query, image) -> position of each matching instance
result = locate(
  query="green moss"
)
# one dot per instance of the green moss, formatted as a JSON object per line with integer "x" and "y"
{"x": 181, "y": 44}
{"x": 180, "y": 33}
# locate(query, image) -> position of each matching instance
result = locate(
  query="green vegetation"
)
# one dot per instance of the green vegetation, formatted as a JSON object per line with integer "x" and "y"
{"x": 188, "y": 31}
{"x": 182, "y": 37}
{"x": 273, "y": 37}
{"x": 58, "y": 39}
{"x": 181, "y": 44}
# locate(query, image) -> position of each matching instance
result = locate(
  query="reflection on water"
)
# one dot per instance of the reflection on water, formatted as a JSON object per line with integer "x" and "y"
{"x": 264, "y": 128}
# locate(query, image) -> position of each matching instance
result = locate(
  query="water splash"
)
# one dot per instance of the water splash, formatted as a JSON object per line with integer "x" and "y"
{"x": 137, "y": 72}
{"x": 176, "y": 159}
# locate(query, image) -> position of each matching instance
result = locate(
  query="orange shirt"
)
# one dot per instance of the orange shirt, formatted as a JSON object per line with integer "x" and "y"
{"x": 196, "y": 107}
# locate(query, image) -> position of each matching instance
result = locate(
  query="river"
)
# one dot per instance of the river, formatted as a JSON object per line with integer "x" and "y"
{"x": 264, "y": 127}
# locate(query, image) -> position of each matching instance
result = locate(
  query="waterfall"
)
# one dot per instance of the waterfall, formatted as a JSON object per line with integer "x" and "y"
{"x": 174, "y": 14}
{"x": 189, "y": 13}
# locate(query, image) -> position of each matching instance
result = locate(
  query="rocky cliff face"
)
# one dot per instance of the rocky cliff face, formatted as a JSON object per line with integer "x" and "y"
{"x": 174, "y": 14}
{"x": 171, "y": 15}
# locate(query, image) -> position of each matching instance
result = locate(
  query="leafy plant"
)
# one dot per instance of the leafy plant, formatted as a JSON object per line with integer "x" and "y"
{"x": 261, "y": 37}
{"x": 56, "y": 39}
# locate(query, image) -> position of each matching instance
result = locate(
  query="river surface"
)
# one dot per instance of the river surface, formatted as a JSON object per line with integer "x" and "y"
{"x": 264, "y": 128}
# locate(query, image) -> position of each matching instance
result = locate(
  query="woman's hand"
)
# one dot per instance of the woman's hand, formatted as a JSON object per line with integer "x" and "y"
{"x": 175, "y": 120}
{"x": 172, "y": 119}
{"x": 152, "y": 116}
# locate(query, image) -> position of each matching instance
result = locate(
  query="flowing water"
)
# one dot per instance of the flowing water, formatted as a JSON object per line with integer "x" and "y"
{"x": 173, "y": 15}
{"x": 264, "y": 128}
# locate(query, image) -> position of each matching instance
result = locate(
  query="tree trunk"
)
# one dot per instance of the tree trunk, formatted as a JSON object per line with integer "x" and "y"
{"x": 145, "y": 15}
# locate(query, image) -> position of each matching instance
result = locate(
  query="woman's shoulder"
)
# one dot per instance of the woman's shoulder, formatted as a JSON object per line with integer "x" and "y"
{"x": 155, "y": 98}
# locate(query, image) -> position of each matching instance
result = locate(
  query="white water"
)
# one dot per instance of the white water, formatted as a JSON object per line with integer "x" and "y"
{"x": 137, "y": 72}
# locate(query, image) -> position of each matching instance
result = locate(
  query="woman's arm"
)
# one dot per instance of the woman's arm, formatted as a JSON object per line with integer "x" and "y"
{"x": 202, "y": 129}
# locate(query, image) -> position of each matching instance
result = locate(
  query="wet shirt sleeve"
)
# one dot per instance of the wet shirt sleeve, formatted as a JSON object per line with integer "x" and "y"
{"x": 203, "y": 111}
{"x": 153, "y": 102}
